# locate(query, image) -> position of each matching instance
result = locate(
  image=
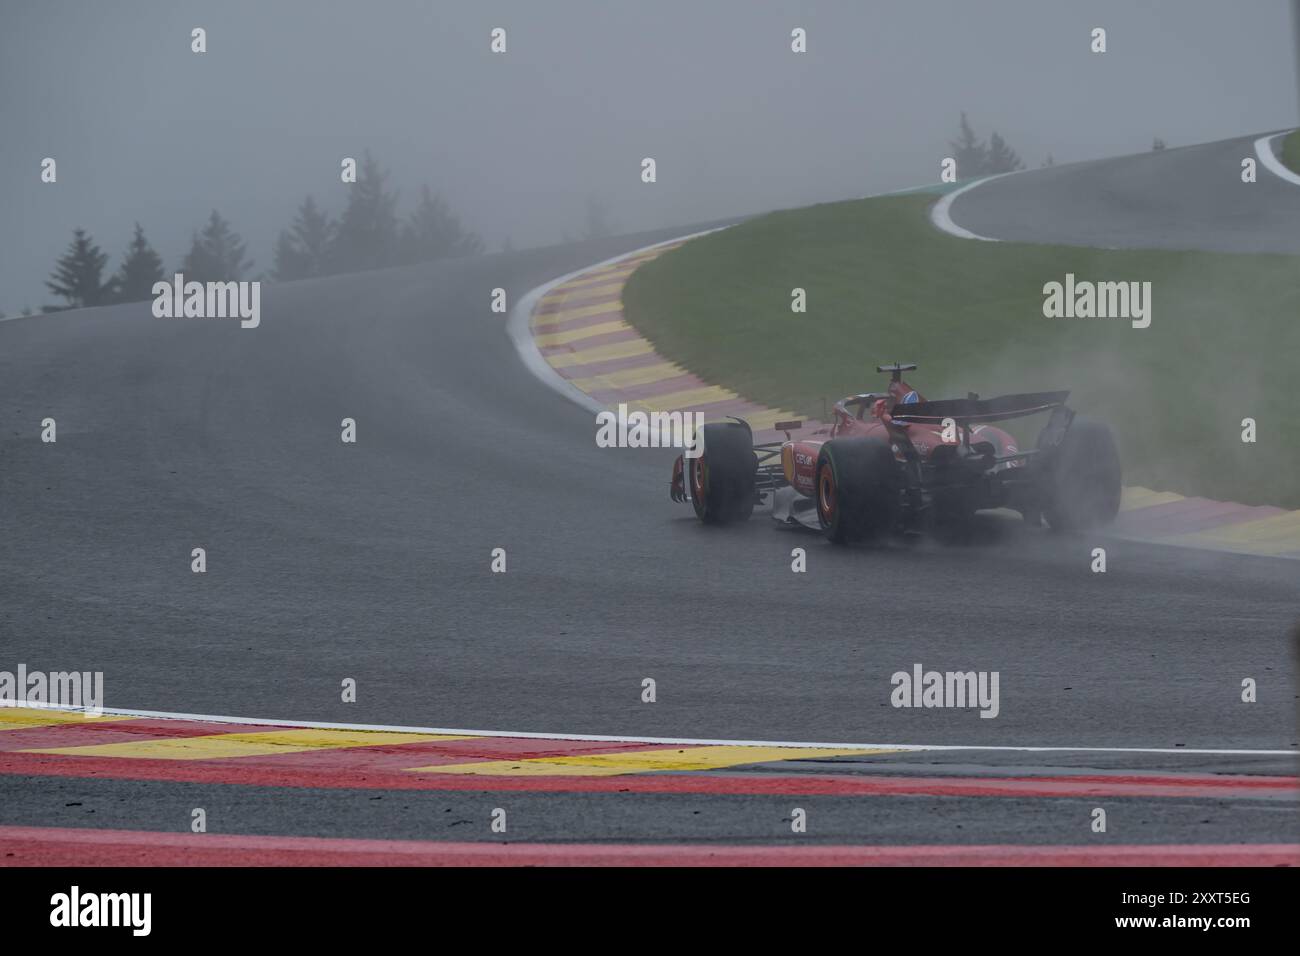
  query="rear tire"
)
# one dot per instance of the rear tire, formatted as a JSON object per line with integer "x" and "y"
{"x": 856, "y": 489}
{"x": 721, "y": 480}
{"x": 1086, "y": 479}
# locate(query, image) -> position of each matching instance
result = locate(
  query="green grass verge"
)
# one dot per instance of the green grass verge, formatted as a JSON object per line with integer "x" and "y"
{"x": 884, "y": 284}
{"x": 1291, "y": 152}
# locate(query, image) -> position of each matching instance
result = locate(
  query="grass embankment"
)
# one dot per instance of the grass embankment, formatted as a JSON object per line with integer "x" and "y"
{"x": 883, "y": 284}
{"x": 1291, "y": 152}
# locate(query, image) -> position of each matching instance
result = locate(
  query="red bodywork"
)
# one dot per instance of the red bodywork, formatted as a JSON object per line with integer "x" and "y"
{"x": 871, "y": 419}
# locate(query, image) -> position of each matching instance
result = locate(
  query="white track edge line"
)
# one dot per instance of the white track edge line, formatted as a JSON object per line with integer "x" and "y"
{"x": 941, "y": 216}
{"x": 607, "y": 738}
{"x": 1264, "y": 150}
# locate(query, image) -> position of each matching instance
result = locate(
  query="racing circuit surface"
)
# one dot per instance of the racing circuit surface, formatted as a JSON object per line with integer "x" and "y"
{"x": 1191, "y": 197}
{"x": 371, "y": 561}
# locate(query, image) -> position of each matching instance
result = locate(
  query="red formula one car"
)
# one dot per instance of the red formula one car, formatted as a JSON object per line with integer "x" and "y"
{"x": 896, "y": 462}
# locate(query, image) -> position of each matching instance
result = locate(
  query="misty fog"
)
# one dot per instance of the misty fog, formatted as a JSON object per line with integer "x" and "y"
{"x": 518, "y": 143}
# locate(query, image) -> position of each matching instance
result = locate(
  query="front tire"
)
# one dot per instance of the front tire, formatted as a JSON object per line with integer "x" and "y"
{"x": 721, "y": 480}
{"x": 856, "y": 489}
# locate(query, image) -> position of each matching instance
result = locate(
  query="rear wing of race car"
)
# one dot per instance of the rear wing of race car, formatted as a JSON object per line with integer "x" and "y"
{"x": 975, "y": 409}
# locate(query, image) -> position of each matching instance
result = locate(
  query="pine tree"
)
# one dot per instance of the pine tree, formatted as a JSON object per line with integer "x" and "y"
{"x": 367, "y": 236}
{"x": 304, "y": 250}
{"x": 433, "y": 231}
{"x": 971, "y": 155}
{"x": 1001, "y": 158}
{"x": 216, "y": 254}
{"x": 77, "y": 275}
{"x": 288, "y": 260}
{"x": 141, "y": 268}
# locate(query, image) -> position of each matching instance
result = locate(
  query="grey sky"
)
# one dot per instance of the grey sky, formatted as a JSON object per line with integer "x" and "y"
{"x": 144, "y": 129}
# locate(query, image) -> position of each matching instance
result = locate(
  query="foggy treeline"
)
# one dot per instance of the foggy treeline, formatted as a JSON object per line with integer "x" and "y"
{"x": 367, "y": 234}
{"x": 738, "y": 122}
{"x": 975, "y": 157}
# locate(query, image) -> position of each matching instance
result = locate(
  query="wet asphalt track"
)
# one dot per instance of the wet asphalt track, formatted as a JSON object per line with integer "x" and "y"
{"x": 371, "y": 561}
{"x": 1186, "y": 198}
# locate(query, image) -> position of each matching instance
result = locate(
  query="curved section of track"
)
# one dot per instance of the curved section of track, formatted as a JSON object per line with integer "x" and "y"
{"x": 371, "y": 561}
{"x": 1187, "y": 198}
